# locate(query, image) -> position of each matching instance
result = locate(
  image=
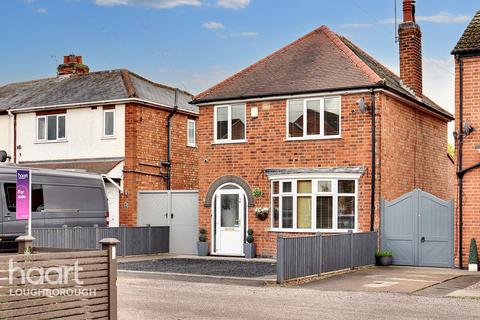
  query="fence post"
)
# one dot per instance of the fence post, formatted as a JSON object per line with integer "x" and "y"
{"x": 350, "y": 232}
{"x": 280, "y": 259}
{"x": 97, "y": 237}
{"x": 149, "y": 239}
{"x": 124, "y": 241}
{"x": 25, "y": 244}
{"x": 110, "y": 244}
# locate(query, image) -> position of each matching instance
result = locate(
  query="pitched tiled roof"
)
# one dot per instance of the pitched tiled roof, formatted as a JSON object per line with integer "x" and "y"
{"x": 470, "y": 40}
{"x": 92, "y": 87}
{"x": 319, "y": 61}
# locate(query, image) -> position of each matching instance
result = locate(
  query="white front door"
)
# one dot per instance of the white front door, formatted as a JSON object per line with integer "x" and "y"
{"x": 229, "y": 222}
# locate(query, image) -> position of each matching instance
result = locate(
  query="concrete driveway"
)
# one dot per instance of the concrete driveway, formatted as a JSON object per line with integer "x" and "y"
{"x": 387, "y": 279}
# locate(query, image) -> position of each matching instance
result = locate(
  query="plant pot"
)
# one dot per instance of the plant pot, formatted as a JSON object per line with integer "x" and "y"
{"x": 262, "y": 216}
{"x": 473, "y": 267}
{"x": 384, "y": 261}
{"x": 202, "y": 248}
{"x": 249, "y": 250}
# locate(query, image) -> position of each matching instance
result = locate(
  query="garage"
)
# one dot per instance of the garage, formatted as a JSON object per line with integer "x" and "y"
{"x": 418, "y": 228}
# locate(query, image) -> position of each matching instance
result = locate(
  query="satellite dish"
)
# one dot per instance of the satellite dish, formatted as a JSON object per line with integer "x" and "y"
{"x": 3, "y": 156}
{"x": 467, "y": 128}
{"x": 362, "y": 106}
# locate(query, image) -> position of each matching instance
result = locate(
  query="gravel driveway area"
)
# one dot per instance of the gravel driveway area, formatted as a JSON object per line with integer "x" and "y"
{"x": 140, "y": 298}
{"x": 226, "y": 268}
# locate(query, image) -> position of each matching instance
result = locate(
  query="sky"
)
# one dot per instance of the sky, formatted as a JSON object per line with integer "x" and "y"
{"x": 194, "y": 44}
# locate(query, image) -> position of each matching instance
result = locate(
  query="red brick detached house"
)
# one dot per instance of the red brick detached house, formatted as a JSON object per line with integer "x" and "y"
{"x": 289, "y": 130}
{"x": 467, "y": 112}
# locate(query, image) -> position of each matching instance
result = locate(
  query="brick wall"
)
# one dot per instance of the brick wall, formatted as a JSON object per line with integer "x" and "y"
{"x": 146, "y": 143}
{"x": 414, "y": 152}
{"x": 266, "y": 147}
{"x": 471, "y": 181}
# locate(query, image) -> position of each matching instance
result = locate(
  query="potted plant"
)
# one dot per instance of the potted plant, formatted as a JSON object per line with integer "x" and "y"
{"x": 473, "y": 256}
{"x": 202, "y": 244}
{"x": 249, "y": 247}
{"x": 384, "y": 258}
{"x": 262, "y": 213}
{"x": 257, "y": 192}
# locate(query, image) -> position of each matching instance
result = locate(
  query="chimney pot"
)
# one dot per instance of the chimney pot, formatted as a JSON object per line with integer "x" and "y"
{"x": 408, "y": 10}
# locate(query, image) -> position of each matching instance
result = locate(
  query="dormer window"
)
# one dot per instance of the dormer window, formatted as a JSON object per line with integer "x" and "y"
{"x": 51, "y": 128}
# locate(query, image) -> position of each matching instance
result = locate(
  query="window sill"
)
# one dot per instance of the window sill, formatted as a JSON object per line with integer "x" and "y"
{"x": 229, "y": 142}
{"x": 108, "y": 138}
{"x": 51, "y": 141}
{"x": 192, "y": 146}
{"x": 311, "y": 230}
{"x": 313, "y": 138}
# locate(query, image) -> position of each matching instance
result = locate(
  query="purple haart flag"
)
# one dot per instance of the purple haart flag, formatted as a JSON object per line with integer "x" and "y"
{"x": 23, "y": 194}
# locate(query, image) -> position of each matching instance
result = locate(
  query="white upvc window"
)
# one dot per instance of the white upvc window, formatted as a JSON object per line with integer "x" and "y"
{"x": 314, "y": 118}
{"x": 51, "y": 128}
{"x": 109, "y": 123}
{"x": 230, "y": 124}
{"x": 191, "y": 133}
{"x": 314, "y": 204}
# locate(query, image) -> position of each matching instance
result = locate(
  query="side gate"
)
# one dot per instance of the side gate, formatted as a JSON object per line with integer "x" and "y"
{"x": 418, "y": 228}
{"x": 177, "y": 209}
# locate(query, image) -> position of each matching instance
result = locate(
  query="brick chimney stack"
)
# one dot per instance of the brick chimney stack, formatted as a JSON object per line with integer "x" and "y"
{"x": 72, "y": 64}
{"x": 410, "y": 43}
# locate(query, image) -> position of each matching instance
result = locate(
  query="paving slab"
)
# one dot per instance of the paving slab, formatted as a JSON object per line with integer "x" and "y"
{"x": 386, "y": 279}
{"x": 448, "y": 287}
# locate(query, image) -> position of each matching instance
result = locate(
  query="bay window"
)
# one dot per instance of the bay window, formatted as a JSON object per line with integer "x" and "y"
{"x": 51, "y": 127}
{"x": 318, "y": 204}
{"x": 230, "y": 123}
{"x": 313, "y": 118}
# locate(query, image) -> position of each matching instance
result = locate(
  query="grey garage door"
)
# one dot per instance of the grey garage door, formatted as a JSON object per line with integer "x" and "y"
{"x": 418, "y": 229}
{"x": 177, "y": 209}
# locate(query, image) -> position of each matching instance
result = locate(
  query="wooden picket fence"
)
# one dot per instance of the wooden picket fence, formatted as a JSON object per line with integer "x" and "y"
{"x": 44, "y": 285}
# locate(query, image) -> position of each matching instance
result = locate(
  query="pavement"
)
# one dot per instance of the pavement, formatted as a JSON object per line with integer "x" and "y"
{"x": 388, "y": 279}
{"x": 146, "y": 297}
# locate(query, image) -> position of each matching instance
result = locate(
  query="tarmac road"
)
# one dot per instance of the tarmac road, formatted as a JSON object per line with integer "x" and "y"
{"x": 147, "y": 298}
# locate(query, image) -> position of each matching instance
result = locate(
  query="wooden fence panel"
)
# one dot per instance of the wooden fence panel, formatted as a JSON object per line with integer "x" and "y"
{"x": 73, "y": 285}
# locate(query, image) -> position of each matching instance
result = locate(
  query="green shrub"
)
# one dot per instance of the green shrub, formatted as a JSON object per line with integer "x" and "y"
{"x": 202, "y": 237}
{"x": 473, "y": 257}
{"x": 257, "y": 192}
{"x": 250, "y": 237}
{"x": 384, "y": 253}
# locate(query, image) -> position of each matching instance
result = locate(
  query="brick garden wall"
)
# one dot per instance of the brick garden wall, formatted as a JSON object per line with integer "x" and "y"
{"x": 146, "y": 142}
{"x": 471, "y": 181}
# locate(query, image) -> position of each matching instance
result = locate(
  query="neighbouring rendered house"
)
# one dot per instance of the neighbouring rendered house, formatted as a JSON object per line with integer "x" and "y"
{"x": 113, "y": 123}
{"x": 467, "y": 126}
{"x": 295, "y": 129}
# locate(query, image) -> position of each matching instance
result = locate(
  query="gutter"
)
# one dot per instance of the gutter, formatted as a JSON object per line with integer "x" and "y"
{"x": 11, "y": 135}
{"x": 460, "y": 164}
{"x": 102, "y": 102}
{"x": 169, "y": 144}
{"x": 372, "y": 194}
{"x": 334, "y": 91}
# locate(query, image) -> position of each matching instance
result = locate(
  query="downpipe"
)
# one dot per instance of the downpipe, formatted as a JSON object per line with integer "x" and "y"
{"x": 169, "y": 143}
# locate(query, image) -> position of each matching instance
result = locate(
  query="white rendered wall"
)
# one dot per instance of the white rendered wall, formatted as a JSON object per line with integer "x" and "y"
{"x": 84, "y": 137}
{"x": 5, "y": 133}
